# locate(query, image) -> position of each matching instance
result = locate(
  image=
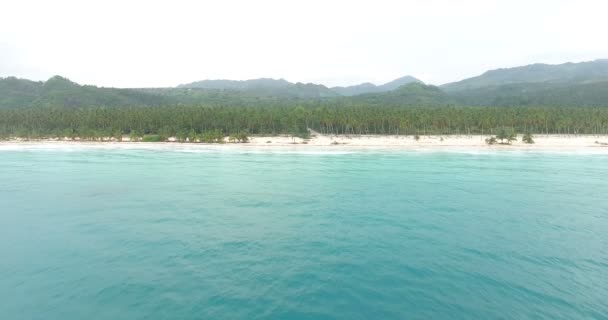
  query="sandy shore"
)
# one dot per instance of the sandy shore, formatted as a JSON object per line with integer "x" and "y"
{"x": 477, "y": 141}
{"x": 367, "y": 142}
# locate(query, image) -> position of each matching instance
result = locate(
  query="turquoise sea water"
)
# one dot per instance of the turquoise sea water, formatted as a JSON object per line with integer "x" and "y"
{"x": 143, "y": 234}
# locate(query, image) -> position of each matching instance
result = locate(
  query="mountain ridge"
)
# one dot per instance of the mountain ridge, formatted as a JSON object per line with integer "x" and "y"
{"x": 264, "y": 86}
{"x": 368, "y": 87}
{"x": 569, "y": 72}
{"x": 576, "y": 84}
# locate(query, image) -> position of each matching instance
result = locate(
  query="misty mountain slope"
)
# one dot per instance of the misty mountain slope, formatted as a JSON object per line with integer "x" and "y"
{"x": 412, "y": 94}
{"x": 16, "y": 92}
{"x": 237, "y": 84}
{"x": 535, "y": 94}
{"x": 567, "y": 73}
{"x": 61, "y": 92}
{"x": 264, "y": 87}
{"x": 570, "y": 84}
{"x": 372, "y": 88}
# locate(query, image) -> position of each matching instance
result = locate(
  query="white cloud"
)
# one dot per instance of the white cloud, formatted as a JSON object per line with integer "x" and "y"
{"x": 164, "y": 43}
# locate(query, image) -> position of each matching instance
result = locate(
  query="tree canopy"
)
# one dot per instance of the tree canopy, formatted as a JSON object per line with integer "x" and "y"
{"x": 296, "y": 119}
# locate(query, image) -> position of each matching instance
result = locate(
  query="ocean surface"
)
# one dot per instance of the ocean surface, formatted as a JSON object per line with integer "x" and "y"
{"x": 96, "y": 233}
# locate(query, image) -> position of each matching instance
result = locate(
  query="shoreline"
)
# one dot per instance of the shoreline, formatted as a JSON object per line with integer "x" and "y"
{"x": 565, "y": 143}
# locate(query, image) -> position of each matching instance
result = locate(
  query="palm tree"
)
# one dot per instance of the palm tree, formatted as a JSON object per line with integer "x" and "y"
{"x": 506, "y": 134}
{"x": 527, "y": 138}
{"x": 491, "y": 140}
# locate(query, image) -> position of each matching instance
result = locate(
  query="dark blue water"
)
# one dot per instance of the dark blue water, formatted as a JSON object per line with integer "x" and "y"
{"x": 143, "y": 234}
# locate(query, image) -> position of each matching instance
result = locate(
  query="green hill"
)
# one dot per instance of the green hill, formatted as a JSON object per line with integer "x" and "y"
{"x": 570, "y": 84}
{"x": 372, "y": 88}
{"x": 567, "y": 73}
{"x": 61, "y": 92}
{"x": 412, "y": 94}
{"x": 535, "y": 94}
{"x": 264, "y": 87}
{"x": 18, "y": 92}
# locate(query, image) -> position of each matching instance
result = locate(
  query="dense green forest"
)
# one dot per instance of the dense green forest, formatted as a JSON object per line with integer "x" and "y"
{"x": 568, "y": 98}
{"x": 181, "y": 121}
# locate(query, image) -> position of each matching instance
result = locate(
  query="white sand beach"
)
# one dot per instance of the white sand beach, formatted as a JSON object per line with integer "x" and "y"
{"x": 346, "y": 143}
{"x": 473, "y": 141}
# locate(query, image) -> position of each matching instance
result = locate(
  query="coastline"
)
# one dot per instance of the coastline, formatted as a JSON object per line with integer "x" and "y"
{"x": 551, "y": 142}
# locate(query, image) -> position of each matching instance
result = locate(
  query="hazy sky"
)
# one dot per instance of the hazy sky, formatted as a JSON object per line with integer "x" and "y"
{"x": 165, "y": 43}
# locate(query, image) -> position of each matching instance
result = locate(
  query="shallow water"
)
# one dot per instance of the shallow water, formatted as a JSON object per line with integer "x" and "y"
{"x": 160, "y": 234}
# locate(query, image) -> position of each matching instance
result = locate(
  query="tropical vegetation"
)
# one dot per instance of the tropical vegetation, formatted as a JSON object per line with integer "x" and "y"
{"x": 535, "y": 99}
{"x": 212, "y": 124}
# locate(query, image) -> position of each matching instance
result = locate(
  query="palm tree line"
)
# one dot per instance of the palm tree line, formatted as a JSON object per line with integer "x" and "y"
{"x": 209, "y": 123}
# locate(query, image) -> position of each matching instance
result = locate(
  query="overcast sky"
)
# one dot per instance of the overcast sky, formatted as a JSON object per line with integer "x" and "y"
{"x": 165, "y": 43}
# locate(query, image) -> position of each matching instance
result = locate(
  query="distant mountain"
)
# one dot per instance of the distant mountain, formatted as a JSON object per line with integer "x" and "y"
{"x": 567, "y": 73}
{"x": 372, "y": 88}
{"x": 264, "y": 87}
{"x": 397, "y": 83}
{"x": 594, "y": 94}
{"x": 412, "y": 94}
{"x": 569, "y": 84}
{"x": 18, "y": 92}
{"x": 61, "y": 92}
{"x": 362, "y": 88}
{"x": 252, "y": 84}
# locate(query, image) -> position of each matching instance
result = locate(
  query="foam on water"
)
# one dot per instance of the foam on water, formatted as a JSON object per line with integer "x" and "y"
{"x": 286, "y": 149}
